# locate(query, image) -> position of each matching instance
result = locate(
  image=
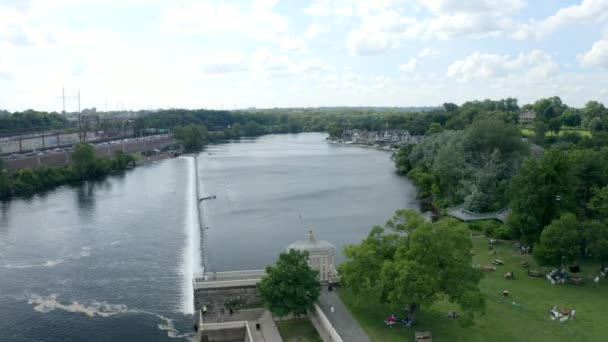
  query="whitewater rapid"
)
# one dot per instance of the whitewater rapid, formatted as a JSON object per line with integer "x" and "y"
{"x": 191, "y": 257}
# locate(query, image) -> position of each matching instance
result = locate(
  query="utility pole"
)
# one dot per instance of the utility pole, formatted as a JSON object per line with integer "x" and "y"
{"x": 62, "y": 97}
{"x": 79, "y": 119}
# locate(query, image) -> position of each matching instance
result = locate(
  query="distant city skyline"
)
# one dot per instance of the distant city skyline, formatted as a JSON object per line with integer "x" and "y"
{"x": 267, "y": 53}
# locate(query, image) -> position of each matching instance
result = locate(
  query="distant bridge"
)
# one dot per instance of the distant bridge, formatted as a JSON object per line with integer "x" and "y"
{"x": 467, "y": 215}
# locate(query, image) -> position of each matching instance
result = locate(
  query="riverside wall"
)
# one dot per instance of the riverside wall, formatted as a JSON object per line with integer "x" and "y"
{"x": 62, "y": 158}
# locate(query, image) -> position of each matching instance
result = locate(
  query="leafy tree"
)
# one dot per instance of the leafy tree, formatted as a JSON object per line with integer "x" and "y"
{"x": 290, "y": 286}
{"x": 549, "y": 108}
{"x": 593, "y": 112}
{"x": 572, "y": 117}
{"x": 434, "y": 128}
{"x": 450, "y": 107}
{"x": 559, "y": 242}
{"x": 599, "y": 203}
{"x": 334, "y": 130}
{"x": 84, "y": 160}
{"x": 419, "y": 262}
{"x": 540, "y": 128}
{"x": 138, "y": 126}
{"x": 5, "y": 185}
{"x": 192, "y": 137}
{"x": 555, "y": 125}
{"x": 122, "y": 161}
{"x": 540, "y": 192}
{"x": 596, "y": 241}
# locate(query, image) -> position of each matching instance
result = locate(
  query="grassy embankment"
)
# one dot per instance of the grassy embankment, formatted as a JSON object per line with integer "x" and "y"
{"x": 524, "y": 317}
{"x": 298, "y": 330}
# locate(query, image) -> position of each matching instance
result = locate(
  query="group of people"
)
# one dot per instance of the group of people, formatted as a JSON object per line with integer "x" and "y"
{"x": 562, "y": 314}
{"x": 392, "y": 320}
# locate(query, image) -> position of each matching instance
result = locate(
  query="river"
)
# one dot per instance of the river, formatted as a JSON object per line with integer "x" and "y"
{"x": 111, "y": 260}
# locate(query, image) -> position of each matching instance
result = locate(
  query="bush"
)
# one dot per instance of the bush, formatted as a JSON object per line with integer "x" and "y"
{"x": 503, "y": 232}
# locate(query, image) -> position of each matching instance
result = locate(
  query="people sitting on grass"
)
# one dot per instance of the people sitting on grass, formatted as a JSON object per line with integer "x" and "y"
{"x": 389, "y": 321}
{"x": 561, "y": 314}
{"x": 393, "y": 319}
{"x": 452, "y": 314}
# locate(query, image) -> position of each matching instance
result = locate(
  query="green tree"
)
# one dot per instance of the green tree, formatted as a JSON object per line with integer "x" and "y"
{"x": 540, "y": 128}
{"x": 555, "y": 125}
{"x": 192, "y": 137}
{"x": 122, "y": 161}
{"x": 334, "y": 130}
{"x": 290, "y": 286}
{"x": 596, "y": 241}
{"x": 434, "y": 128}
{"x": 5, "y": 185}
{"x": 593, "y": 110}
{"x": 599, "y": 203}
{"x": 138, "y": 126}
{"x": 559, "y": 242}
{"x": 572, "y": 117}
{"x": 84, "y": 160}
{"x": 420, "y": 262}
{"x": 539, "y": 193}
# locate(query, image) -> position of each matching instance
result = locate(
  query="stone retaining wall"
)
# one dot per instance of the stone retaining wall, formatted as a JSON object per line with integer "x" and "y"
{"x": 217, "y": 298}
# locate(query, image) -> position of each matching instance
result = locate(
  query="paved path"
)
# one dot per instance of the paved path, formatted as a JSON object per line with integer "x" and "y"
{"x": 341, "y": 319}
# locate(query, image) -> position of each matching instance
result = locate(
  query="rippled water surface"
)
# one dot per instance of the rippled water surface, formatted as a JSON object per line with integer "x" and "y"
{"x": 111, "y": 260}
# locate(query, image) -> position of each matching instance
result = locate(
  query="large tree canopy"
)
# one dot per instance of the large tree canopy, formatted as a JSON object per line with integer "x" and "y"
{"x": 472, "y": 166}
{"x": 413, "y": 263}
{"x": 290, "y": 286}
{"x": 559, "y": 242}
{"x": 540, "y": 192}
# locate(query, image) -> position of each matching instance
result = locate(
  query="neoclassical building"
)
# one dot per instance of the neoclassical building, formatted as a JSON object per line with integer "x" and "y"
{"x": 321, "y": 257}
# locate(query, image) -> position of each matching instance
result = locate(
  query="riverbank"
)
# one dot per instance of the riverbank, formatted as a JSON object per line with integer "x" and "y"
{"x": 350, "y": 143}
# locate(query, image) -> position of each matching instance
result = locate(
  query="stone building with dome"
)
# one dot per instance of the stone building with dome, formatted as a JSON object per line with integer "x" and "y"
{"x": 321, "y": 257}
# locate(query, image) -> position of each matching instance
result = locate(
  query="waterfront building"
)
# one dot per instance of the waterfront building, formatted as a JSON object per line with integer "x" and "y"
{"x": 321, "y": 256}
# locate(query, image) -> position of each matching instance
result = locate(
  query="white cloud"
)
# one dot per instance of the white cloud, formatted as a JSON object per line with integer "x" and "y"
{"x": 379, "y": 33}
{"x": 534, "y": 66}
{"x": 597, "y": 56}
{"x": 224, "y": 62}
{"x": 428, "y": 52}
{"x": 368, "y": 42}
{"x": 410, "y": 65}
{"x": 314, "y": 30}
{"x": 588, "y": 11}
{"x": 256, "y": 20}
{"x": 291, "y": 44}
{"x": 322, "y": 8}
{"x": 493, "y": 7}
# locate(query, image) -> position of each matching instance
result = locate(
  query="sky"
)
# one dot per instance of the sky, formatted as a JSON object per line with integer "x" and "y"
{"x": 148, "y": 54}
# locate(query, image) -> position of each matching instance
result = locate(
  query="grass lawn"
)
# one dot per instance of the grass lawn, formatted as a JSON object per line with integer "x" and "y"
{"x": 298, "y": 330}
{"x": 524, "y": 317}
{"x": 584, "y": 132}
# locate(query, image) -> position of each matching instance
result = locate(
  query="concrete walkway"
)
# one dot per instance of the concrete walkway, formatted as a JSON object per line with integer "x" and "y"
{"x": 341, "y": 319}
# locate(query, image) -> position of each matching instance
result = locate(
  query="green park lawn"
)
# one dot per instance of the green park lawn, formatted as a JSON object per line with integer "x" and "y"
{"x": 584, "y": 132}
{"x": 298, "y": 330}
{"x": 524, "y": 317}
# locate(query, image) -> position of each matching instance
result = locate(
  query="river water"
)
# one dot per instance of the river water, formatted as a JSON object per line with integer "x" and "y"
{"x": 112, "y": 260}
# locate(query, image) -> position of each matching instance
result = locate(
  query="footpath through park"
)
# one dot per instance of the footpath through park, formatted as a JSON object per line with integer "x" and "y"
{"x": 341, "y": 319}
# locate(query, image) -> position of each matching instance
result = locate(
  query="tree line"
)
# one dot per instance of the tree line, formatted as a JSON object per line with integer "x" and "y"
{"x": 85, "y": 165}
{"x": 554, "y": 185}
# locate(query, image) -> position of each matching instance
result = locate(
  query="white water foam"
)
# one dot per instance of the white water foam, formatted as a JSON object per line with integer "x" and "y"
{"x": 84, "y": 252}
{"x": 104, "y": 309}
{"x": 191, "y": 258}
{"x": 47, "y": 263}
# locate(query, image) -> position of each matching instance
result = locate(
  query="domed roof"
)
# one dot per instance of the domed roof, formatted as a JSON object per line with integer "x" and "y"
{"x": 311, "y": 244}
